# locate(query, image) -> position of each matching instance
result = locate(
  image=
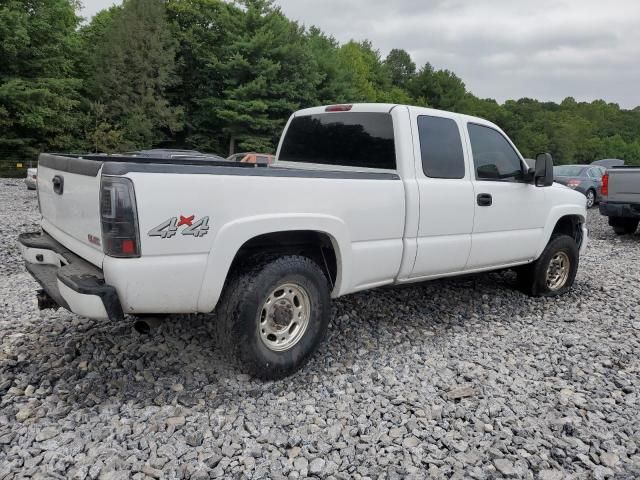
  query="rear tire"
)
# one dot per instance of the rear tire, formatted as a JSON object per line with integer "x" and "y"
{"x": 591, "y": 198}
{"x": 554, "y": 272}
{"x": 624, "y": 226}
{"x": 273, "y": 315}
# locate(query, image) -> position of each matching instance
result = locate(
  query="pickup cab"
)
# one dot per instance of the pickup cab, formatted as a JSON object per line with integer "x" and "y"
{"x": 359, "y": 196}
{"x": 621, "y": 198}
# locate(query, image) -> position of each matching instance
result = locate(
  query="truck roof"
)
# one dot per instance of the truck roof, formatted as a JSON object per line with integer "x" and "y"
{"x": 387, "y": 107}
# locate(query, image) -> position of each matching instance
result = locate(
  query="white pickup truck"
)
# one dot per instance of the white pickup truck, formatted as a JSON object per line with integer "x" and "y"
{"x": 359, "y": 196}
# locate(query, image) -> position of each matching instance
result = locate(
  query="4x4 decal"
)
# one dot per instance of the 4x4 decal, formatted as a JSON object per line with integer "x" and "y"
{"x": 169, "y": 228}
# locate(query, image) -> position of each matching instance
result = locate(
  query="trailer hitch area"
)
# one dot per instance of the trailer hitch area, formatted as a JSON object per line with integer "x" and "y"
{"x": 45, "y": 302}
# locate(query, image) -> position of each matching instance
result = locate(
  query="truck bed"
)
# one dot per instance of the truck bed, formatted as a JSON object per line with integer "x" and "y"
{"x": 121, "y": 165}
{"x": 91, "y": 164}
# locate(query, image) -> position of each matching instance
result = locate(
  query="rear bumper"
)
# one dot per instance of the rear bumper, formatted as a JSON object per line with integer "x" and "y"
{"x": 73, "y": 283}
{"x": 622, "y": 210}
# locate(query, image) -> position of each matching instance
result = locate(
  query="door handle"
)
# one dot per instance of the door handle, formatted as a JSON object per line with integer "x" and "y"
{"x": 485, "y": 200}
{"x": 58, "y": 184}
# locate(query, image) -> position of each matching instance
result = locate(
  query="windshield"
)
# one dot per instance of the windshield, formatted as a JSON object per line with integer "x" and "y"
{"x": 568, "y": 170}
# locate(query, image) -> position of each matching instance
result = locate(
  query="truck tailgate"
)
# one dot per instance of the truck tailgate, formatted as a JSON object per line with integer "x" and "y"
{"x": 69, "y": 195}
{"x": 624, "y": 185}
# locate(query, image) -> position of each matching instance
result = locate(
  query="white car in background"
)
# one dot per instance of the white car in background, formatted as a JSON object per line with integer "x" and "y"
{"x": 32, "y": 178}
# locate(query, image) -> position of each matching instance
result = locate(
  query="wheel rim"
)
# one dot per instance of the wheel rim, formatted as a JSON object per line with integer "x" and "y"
{"x": 284, "y": 317}
{"x": 591, "y": 198}
{"x": 558, "y": 271}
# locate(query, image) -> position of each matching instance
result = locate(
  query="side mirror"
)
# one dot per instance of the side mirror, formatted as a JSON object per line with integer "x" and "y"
{"x": 543, "y": 176}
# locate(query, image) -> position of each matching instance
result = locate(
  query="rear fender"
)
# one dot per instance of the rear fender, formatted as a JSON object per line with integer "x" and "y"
{"x": 232, "y": 236}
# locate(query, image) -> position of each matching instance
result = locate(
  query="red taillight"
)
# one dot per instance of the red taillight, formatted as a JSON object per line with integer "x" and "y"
{"x": 128, "y": 246}
{"x": 573, "y": 183}
{"x": 120, "y": 234}
{"x": 605, "y": 184}
{"x": 338, "y": 108}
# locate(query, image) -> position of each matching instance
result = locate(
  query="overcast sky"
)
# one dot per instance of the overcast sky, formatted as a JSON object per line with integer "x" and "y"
{"x": 544, "y": 49}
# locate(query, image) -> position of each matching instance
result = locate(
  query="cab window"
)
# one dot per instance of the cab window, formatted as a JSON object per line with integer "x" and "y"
{"x": 493, "y": 156}
{"x": 352, "y": 139}
{"x": 440, "y": 147}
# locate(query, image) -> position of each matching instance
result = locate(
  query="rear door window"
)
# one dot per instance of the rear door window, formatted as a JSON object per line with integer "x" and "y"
{"x": 352, "y": 139}
{"x": 493, "y": 156}
{"x": 440, "y": 147}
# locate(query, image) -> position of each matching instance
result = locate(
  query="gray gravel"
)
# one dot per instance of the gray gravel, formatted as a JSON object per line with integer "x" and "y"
{"x": 461, "y": 378}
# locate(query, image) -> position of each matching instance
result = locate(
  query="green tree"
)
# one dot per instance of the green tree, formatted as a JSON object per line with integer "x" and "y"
{"x": 92, "y": 37}
{"x": 39, "y": 98}
{"x": 204, "y": 30}
{"x": 633, "y": 152}
{"x": 267, "y": 72}
{"x": 437, "y": 88}
{"x": 487, "y": 108}
{"x": 221, "y": 74}
{"x": 401, "y": 67}
{"x": 134, "y": 67}
{"x": 335, "y": 85}
{"x": 359, "y": 62}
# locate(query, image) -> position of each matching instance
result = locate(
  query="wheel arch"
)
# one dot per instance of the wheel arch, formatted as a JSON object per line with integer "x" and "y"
{"x": 565, "y": 222}
{"x": 316, "y": 245}
{"x": 325, "y": 239}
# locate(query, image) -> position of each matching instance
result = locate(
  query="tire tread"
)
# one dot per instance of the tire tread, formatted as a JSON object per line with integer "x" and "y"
{"x": 530, "y": 277}
{"x": 242, "y": 283}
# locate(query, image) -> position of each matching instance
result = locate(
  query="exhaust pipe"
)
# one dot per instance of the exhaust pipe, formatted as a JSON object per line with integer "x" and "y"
{"x": 45, "y": 301}
{"x": 144, "y": 325}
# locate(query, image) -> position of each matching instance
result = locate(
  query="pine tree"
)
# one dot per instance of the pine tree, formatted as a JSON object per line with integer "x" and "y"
{"x": 268, "y": 73}
{"x": 134, "y": 67}
{"x": 204, "y": 30}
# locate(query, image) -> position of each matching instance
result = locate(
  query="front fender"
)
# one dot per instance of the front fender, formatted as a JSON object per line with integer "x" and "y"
{"x": 554, "y": 216}
{"x": 232, "y": 236}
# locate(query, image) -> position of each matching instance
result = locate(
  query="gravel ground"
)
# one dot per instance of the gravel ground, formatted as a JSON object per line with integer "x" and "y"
{"x": 462, "y": 378}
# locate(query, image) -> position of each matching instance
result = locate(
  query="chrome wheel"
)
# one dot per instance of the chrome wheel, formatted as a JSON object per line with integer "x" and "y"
{"x": 591, "y": 198}
{"x": 558, "y": 271}
{"x": 284, "y": 317}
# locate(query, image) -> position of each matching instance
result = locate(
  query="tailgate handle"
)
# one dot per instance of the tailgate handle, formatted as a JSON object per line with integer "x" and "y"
{"x": 58, "y": 184}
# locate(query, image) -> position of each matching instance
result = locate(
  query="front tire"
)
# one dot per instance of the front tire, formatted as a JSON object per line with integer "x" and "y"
{"x": 554, "y": 272}
{"x": 273, "y": 315}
